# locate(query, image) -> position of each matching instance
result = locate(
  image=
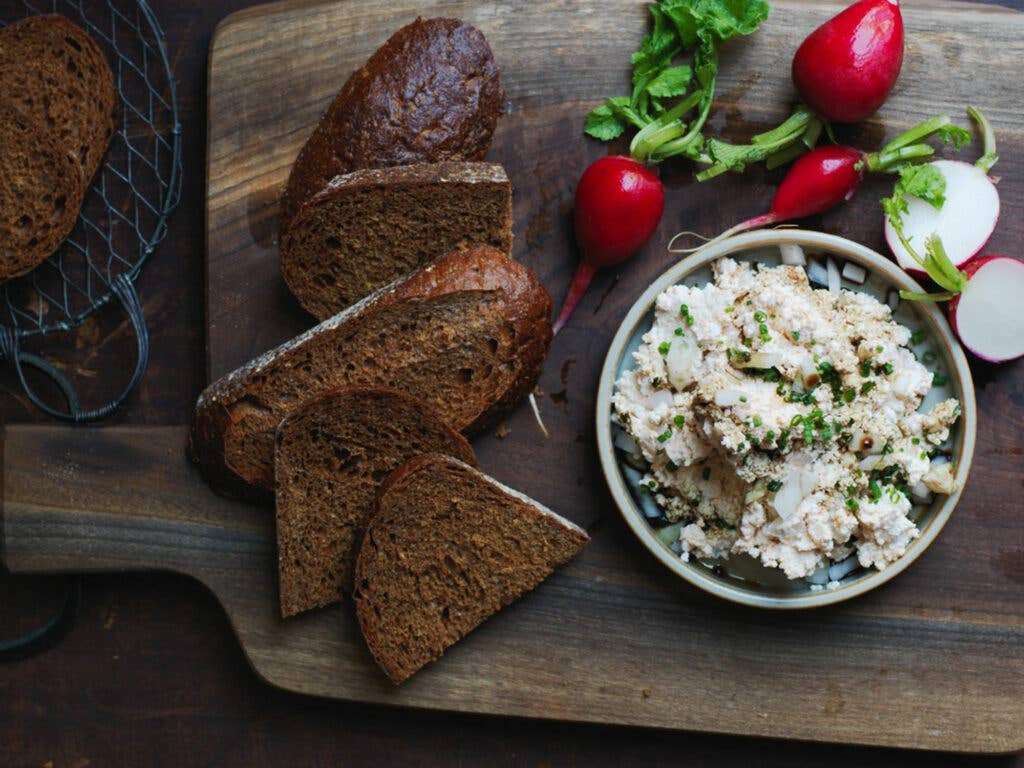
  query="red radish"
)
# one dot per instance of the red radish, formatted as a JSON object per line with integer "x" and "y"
{"x": 818, "y": 181}
{"x": 985, "y": 314}
{"x": 847, "y": 67}
{"x": 964, "y": 223}
{"x": 619, "y": 203}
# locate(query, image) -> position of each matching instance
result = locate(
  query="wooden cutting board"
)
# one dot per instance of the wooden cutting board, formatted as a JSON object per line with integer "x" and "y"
{"x": 933, "y": 660}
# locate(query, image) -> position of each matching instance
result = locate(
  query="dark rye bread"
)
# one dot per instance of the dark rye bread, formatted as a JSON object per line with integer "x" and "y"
{"x": 430, "y": 93}
{"x": 331, "y": 456}
{"x": 41, "y": 190}
{"x": 446, "y": 548}
{"x": 467, "y": 334}
{"x": 57, "y": 75}
{"x": 371, "y": 227}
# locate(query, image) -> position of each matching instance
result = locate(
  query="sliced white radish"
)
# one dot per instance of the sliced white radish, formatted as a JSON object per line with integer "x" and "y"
{"x": 986, "y": 315}
{"x": 964, "y": 223}
{"x": 832, "y": 276}
{"x": 855, "y": 273}
{"x": 793, "y": 255}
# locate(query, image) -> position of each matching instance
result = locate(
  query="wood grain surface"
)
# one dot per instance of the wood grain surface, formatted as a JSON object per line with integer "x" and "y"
{"x": 75, "y": 701}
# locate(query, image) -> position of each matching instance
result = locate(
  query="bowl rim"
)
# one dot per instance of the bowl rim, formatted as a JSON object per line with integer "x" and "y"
{"x": 960, "y": 378}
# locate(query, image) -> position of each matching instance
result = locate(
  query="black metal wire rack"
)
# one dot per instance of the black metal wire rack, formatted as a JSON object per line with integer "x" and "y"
{"x": 125, "y": 212}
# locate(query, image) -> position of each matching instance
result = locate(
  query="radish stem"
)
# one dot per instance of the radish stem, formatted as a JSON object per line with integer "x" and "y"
{"x": 989, "y": 156}
{"x": 580, "y": 281}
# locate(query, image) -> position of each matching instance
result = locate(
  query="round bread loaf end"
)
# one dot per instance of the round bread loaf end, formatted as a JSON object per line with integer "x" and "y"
{"x": 430, "y": 93}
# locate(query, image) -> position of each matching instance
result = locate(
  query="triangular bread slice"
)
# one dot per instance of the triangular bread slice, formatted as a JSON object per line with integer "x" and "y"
{"x": 41, "y": 190}
{"x": 56, "y": 74}
{"x": 331, "y": 457}
{"x": 371, "y": 227}
{"x": 467, "y": 334}
{"x": 447, "y": 548}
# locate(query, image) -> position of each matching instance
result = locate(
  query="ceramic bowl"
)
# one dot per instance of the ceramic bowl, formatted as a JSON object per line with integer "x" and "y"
{"x": 740, "y": 578}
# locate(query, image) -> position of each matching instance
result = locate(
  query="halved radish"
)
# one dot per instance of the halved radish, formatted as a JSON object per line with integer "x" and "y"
{"x": 964, "y": 223}
{"x": 986, "y": 313}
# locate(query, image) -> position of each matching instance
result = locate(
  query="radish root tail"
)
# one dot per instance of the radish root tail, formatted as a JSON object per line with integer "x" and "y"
{"x": 746, "y": 226}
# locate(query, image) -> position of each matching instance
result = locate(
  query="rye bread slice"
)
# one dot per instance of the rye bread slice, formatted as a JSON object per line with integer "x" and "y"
{"x": 446, "y": 548}
{"x": 56, "y": 74}
{"x": 331, "y": 456}
{"x": 41, "y": 190}
{"x": 467, "y": 334}
{"x": 430, "y": 93}
{"x": 370, "y": 227}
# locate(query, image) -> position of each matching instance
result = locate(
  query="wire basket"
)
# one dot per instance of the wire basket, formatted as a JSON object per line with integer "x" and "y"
{"x": 125, "y": 211}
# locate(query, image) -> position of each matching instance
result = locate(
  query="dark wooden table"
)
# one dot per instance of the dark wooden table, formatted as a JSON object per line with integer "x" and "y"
{"x": 151, "y": 674}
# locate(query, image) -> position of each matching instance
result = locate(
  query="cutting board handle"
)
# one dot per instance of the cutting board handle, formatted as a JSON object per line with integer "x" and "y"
{"x": 119, "y": 499}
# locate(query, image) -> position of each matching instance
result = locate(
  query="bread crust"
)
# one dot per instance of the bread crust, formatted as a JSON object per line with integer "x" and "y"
{"x": 430, "y": 93}
{"x": 23, "y": 248}
{"x": 526, "y": 306}
{"x": 425, "y": 181}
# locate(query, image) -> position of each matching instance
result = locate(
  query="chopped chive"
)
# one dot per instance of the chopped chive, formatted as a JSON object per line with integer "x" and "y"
{"x": 679, "y": 331}
{"x": 671, "y": 466}
{"x": 808, "y": 433}
{"x": 888, "y": 369}
{"x": 795, "y": 335}
{"x": 849, "y": 394}
{"x": 664, "y": 347}
{"x": 743, "y": 398}
{"x": 757, "y": 421}
{"x": 866, "y": 387}
{"x": 865, "y": 368}
{"x": 730, "y": 310}
{"x": 917, "y": 337}
{"x": 656, "y": 382}
{"x": 759, "y": 316}
{"x": 916, "y": 440}
{"x": 852, "y": 504}
{"x": 938, "y": 380}
{"x": 887, "y": 449}
{"x": 774, "y": 485}
{"x": 796, "y": 420}
{"x": 679, "y": 420}
{"x": 664, "y": 436}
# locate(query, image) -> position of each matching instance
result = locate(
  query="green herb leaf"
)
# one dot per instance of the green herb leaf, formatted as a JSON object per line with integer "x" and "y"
{"x": 603, "y": 124}
{"x": 671, "y": 82}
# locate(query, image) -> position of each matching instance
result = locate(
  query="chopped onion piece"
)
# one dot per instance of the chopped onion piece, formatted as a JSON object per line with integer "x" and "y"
{"x": 920, "y": 492}
{"x": 679, "y": 362}
{"x": 904, "y": 383}
{"x": 789, "y": 496}
{"x": 839, "y": 571}
{"x": 793, "y": 255}
{"x": 657, "y": 399}
{"x": 855, "y": 273}
{"x": 625, "y": 442}
{"x": 669, "y": 535}
{"x": 816, "y": 273}
{"x": 820, "y": 576}
{"x": 728, "y": 397}
{"x": 761, "y": 360}
{"x": 808, "y": 480}
{"x": 832, "y": 276}
{"x": 869, "y": 463}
